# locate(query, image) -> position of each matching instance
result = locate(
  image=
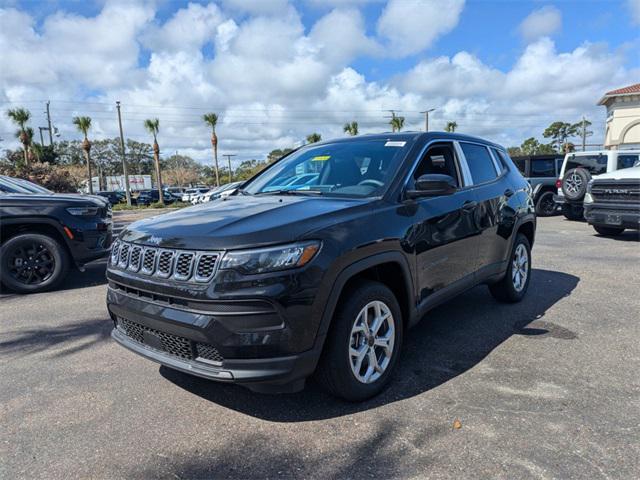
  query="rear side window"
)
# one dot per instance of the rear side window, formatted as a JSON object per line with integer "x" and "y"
{"x": 480, "y": 162}
{"x": 543, "y": 168}
{"x": 626, "y": 160}
{"x": 595, "y": 164}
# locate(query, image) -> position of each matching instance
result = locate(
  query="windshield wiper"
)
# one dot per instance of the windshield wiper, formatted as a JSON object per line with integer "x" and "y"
{"x": 291, "y": 192}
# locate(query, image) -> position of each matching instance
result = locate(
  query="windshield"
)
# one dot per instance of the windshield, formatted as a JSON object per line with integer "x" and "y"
{"x": 358, "y": 168}
{"x": 9, "y": 186}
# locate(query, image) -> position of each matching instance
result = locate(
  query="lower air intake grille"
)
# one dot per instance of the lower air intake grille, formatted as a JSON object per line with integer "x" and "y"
{"x": 172, "y": 344}
{"x": 208, "y": 352}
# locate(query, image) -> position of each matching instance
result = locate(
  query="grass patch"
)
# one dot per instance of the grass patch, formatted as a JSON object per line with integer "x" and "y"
{"x": 124, "y": 207}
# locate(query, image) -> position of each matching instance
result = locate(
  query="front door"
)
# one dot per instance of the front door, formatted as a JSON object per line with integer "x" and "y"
{"x": 445, "y": 230}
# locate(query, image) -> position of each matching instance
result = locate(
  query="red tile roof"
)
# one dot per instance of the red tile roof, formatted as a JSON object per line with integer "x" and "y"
{"x": 629, "y": 90}
{"x": 621, "y": 91}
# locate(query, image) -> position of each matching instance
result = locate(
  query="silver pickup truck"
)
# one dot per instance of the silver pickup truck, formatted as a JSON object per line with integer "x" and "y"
{"x": 541, "y": 171}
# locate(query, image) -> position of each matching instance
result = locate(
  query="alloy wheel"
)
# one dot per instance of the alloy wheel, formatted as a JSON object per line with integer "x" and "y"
{"x": 31, "y": 263}
{"x": 520, "y": 267}
{"x": 573, "y": 183}
{"x": 371, "y": 342}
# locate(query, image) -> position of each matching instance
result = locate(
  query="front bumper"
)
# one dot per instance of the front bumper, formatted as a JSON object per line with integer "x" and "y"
{"x": 613, "y": 215}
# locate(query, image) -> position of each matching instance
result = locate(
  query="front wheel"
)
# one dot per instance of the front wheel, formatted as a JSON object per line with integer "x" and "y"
{"x": 608, "y": 231}
{"x": 514, "y": 285}
{"x": 32, "y": 263}
{"x": 363, "y": 345}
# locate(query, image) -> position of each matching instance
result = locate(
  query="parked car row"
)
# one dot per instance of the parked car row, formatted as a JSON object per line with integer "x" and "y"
{"x": 214, "y": 193}
{"x": 602, "y": 187}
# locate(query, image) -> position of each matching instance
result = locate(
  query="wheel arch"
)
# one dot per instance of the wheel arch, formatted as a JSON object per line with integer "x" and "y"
{"x": 389, "y": 268}
{"x": 42, "y": 226}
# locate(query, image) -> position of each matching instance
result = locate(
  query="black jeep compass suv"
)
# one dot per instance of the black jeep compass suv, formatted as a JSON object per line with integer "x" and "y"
{"x": 281, "y": 280}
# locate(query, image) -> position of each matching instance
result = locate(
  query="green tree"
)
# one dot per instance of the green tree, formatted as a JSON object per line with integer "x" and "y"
{"x": 20, "y": 116}
{"x": 211, "y": 119}
{"x": 182, "y": 170}
{"x": 153, "y": 127}
{"x": 314, "y": 138}
{"x": 451, "y": 126}
{"x": 559, "y": 133}
{"x": 531, "y": 146}
{"x": 397, "y": 123}
{"x": 277, "y": 154}
{"x": 351, "y": 128}
{"x": 83, "y": 124}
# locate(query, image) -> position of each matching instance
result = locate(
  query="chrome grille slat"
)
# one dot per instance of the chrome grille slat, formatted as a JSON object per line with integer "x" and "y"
{"x": 181, "y": 265}
{"x": 135, "y": 258}
{"x": 149, "y": 261}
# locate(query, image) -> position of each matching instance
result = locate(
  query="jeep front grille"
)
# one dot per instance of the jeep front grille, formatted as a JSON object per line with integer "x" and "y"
{"x": 179, "y": 265}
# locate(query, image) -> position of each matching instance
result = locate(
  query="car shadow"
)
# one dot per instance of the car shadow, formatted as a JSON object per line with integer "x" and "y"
{"x": 449, "y": 340}
{"x": 626, "y": 236}
{"x": 94, "y": 274}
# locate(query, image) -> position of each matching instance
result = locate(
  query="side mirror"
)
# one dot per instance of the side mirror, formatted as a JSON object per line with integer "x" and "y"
{"x": 433, "y": 185}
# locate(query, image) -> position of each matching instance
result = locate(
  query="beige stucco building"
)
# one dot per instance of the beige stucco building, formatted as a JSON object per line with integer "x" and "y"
{"x": 623, "y": 117}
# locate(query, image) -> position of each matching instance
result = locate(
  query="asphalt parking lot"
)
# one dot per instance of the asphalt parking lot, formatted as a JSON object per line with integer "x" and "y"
{"x": 548, "y": 388}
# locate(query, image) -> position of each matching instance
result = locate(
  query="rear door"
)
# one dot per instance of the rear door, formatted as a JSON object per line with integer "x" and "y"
{"x": 492, "y": 193}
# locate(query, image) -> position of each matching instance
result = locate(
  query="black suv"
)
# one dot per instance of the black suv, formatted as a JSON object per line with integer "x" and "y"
{"x": 541, "y": 171}
{"x": 43, "y": 234}
{"x": 270, "y": 284}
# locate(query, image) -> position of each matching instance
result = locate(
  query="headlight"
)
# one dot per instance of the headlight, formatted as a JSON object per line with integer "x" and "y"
{"x": 83, "y": 211}
{"x": 270, "y": 259}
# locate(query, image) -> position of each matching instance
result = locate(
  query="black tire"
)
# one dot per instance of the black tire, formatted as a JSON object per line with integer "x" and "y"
{"x": 573, "y": 212}
{"x": 335, "y": 372}
{"x": 505, "y": 290}
{"x": 545, "y": 206}
{"x": 574, "y": 183}
{"x": 32, "y": 262}
{"x": 608, "y": 231}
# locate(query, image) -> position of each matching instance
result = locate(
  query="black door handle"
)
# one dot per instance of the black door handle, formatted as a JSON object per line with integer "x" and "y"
{"x": 508, "y": 193}
{"x": 469, "y": 205}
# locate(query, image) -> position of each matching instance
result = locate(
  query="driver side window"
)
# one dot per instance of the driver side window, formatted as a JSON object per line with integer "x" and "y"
{"x": 439, "y": 158}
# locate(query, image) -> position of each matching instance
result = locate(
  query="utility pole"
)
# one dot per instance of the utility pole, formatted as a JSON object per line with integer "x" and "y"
{"x": 584, "y": 133}
{"x": 41, "y": 137}
{"x": 229, "y": 160}
{"x": 426, "y": 118}
{"x": 124, "y": 159}
{"x": 49, "y": 124}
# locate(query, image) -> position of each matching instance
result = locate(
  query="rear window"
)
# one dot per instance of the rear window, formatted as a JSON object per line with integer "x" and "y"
{"x": 626, "y": 160}
{"x": 480, "y": 162}
{"x": 595, "y": 164}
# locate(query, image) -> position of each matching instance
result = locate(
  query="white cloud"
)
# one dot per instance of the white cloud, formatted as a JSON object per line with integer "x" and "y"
{"x": 189, "y": 29}
{"x": 412, "y": 26}
{"x": 340, "y": 37}
{"x": 634, "y": 7}
{"x": 542, "y": 22}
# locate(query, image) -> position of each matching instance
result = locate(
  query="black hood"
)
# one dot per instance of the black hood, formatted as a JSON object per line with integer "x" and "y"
{"x": 64, "y": 199}
{"x": 243, "y": 221}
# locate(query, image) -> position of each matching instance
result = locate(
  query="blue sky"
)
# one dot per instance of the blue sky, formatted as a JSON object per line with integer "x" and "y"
{"x": 276, "y": 70}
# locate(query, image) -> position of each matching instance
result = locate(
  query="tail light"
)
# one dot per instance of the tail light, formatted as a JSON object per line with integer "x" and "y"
{"x": 558, "y": 183}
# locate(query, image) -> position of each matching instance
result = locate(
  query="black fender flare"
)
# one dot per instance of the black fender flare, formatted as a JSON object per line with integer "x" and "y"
{"x": 48, "y": 221}
{"x": 352, "y": 270}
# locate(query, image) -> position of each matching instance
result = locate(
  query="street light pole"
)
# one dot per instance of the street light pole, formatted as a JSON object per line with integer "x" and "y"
{"x": 229, "y": 155}
{"x": 49, "y": 123}
{"x": 124, "y": 160}
{"x": 426, "y": 118}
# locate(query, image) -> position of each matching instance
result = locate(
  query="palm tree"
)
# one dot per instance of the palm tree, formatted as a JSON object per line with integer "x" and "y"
{"x": 84, "y": 124}
{"x": 397, "y": 123}
{"x": 211, "y": 119}
{"x": 314, "y": 137}
{"x": 153, "y": 127}
{"x": 20, "y": 117}
{"x": 450, "y": 127}
{"x": 351, "y": 128}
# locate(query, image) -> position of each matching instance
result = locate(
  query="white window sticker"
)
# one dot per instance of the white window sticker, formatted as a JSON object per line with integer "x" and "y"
{"x": 395, "y": 143}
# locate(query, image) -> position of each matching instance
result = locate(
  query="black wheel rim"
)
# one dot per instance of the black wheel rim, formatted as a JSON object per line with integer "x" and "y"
{"x": 547, "y": 205}
{"x": 31, "y": 263}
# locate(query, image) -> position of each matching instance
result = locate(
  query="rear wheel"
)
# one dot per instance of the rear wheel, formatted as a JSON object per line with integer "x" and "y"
{"x": 545, "y": 206}
{"x": 363, "y": 346}
{"x": 514, "y": 285}
{"x": 608, "y": 231}
{"x": 32, "y": 263}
